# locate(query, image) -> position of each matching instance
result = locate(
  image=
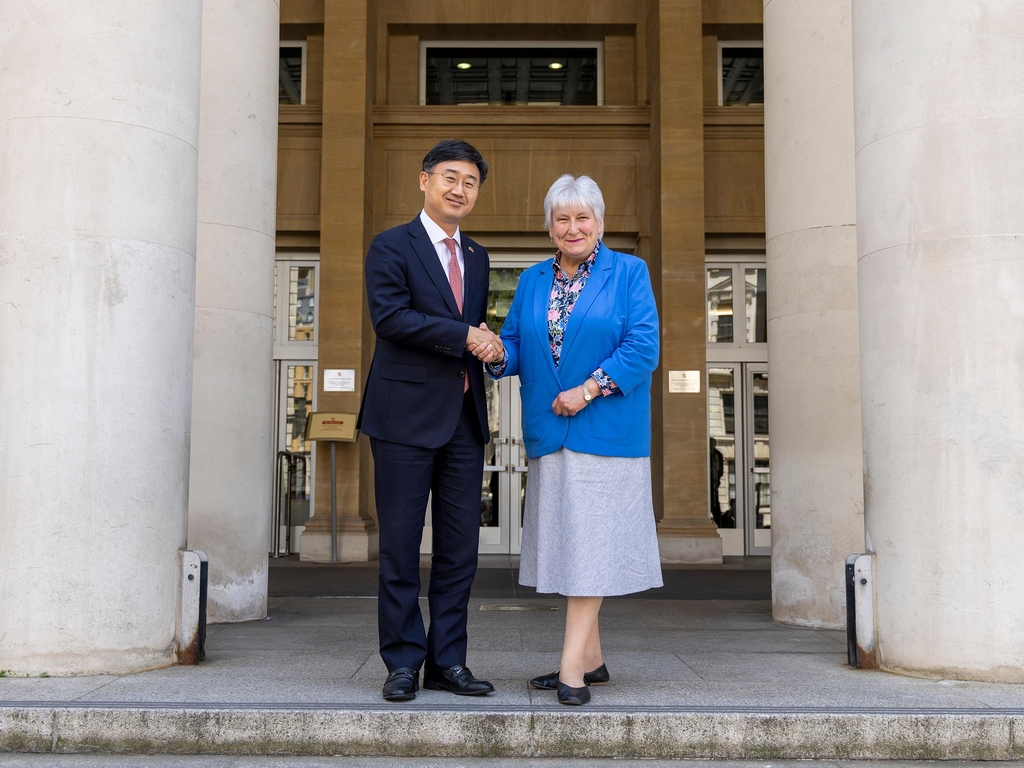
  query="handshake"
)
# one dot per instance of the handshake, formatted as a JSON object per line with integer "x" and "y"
{"x": 484, "y": 344}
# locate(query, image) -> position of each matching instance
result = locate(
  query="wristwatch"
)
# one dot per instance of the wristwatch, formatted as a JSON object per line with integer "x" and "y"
{"x": 586, "y": 393}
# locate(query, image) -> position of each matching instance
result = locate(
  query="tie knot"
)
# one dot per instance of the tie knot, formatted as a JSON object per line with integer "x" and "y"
{"x": 450, "y": 242}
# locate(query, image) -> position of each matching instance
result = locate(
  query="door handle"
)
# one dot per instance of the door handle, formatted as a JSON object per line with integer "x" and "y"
{"x": 520, "y": 469}
{"x": 760, "y": 471}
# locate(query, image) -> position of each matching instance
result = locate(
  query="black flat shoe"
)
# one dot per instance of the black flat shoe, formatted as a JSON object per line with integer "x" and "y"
{"x": 550, "y": 682}
{"x": 457, "y": 679}
{"x": 402, "y": 684}
{"x": 572, "y": 696}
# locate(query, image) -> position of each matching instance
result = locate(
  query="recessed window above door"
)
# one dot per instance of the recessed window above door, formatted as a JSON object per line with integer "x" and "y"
{"x": 737, "y": 306}
{"x": 512, "y": 73}
{"x": 291, "y": 81}
{"x": 740, "y": 73}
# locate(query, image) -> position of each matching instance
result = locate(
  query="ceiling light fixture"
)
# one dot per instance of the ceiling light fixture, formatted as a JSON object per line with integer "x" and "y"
{"x": 555, "y": 65}
{"x": 463, "y": 65}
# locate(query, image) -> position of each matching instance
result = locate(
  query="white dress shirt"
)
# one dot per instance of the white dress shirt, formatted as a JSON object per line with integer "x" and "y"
{"x": 437, "y": 237}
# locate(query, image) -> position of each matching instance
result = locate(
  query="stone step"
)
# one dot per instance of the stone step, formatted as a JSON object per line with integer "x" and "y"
{"x": 593, "y": 731}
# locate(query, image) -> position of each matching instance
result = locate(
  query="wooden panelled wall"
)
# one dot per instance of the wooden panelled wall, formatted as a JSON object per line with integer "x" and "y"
{"x": 634, "y": 155}
{"x": 527, "y": 151}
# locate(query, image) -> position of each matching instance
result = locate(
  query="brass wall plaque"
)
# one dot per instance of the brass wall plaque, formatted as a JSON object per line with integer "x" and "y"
{"x": 331, "y": 426}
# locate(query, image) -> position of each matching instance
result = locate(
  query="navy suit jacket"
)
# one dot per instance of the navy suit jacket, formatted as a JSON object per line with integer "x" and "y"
{"x": 414, "y": 390}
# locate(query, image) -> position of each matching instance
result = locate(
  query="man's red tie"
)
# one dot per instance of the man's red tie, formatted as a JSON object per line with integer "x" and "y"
{"x": 455, "y": 279}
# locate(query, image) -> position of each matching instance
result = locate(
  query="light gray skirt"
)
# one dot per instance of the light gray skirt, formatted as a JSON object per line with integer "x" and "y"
{"x": 588, "y": 526}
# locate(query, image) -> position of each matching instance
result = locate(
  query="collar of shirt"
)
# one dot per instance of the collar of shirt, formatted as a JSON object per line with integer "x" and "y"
{"x": 437, "y": 237}
{"x": 581, "y": 272}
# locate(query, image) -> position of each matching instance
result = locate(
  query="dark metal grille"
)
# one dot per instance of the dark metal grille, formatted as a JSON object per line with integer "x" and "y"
{"x": 290, "y": 76}
{"x": 742, "y": 76}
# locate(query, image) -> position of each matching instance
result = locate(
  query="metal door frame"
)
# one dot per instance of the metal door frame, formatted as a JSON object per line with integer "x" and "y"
{"x": 743, "y": 425}
{"x": 750, "y": 502}
{"x": 283, "y": 348}
{"x": 506, "y": 537}
{"x": 287, "y": 353}
{"x": 510, "y": 454}
{"x": 281, "y": 400}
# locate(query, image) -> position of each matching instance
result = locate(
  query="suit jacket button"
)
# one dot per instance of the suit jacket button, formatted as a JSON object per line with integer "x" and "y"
{"x": 462, "y": 374}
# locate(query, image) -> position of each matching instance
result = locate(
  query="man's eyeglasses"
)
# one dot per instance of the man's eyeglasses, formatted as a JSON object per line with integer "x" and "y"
{"x": 452, "y": 181}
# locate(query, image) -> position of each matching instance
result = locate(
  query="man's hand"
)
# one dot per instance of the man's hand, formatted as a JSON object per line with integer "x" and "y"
{"x": 571, "y": 401}
{"x": 484, "y": 344}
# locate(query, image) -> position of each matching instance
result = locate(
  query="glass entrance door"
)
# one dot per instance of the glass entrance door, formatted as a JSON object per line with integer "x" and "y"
{"x": 758, "y": 513}
{"x": 504, "y": 482}
{"x": 296, "y": 392}
{"x": 505, "y": 464}
{"x": 739, "y": 462}
{"x": 737, "y": 391}
{"x": 296, "y": 277}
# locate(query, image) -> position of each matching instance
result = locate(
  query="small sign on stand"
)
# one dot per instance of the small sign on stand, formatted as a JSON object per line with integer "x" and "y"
{"x": 334, "y": 428}
{"x": 331, "y": 426}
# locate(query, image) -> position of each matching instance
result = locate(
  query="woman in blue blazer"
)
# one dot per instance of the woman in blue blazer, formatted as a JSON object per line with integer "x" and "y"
{"x": 582, "y": 335}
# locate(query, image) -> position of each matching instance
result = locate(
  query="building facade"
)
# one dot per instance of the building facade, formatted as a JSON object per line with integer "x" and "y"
{"x": 635, "y": 102}
{"x": 827, "y": 195}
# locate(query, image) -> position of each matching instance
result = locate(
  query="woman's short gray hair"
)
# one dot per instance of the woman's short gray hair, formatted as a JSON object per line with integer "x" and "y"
{"x": 570, "y": 191}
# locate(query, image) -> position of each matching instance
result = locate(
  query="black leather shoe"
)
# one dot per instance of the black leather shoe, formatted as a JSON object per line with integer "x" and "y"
{"x": 457, "y": 679}
{"x": 402, "y": 684}
{"x": 599, "y": 676}
{"x": 572, "y": 696}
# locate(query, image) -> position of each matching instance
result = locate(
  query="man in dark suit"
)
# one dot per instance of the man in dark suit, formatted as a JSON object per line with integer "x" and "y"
{"x": 425, "y": 414}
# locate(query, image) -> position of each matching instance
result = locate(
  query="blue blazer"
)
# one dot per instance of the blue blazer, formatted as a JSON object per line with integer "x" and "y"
{"x": 614, "y": 326}
{"x": 414, "y": 390}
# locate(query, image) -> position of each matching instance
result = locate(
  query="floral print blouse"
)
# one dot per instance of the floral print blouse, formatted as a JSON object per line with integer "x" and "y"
{"x": 565, "y": 290}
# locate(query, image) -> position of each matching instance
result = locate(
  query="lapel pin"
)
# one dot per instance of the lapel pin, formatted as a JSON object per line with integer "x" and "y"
{"x": 470, "y": 247}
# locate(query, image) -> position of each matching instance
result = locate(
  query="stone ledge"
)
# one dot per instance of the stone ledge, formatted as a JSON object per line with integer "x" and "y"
{"x": 496, "y": 731}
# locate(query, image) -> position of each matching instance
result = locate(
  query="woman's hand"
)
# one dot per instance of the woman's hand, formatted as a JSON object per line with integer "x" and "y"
{"x": 484, "y": 344}
{"x": 571, "y": 401}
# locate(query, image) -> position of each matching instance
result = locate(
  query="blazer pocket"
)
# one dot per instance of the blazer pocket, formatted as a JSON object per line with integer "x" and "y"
{"x": 399, "y": 372}
{"x": 531, "y": 418}
{"x": 610, "y": 420}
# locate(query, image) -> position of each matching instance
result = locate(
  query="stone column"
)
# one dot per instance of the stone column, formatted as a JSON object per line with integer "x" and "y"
{"x": 940, "y": 220}
{"x": 686, "y": 532}
{"x": 232, "y": 472}
{"x": 814, "y": 358}
{"x": 99, "y": 119}
{"x": 350, "y": 55}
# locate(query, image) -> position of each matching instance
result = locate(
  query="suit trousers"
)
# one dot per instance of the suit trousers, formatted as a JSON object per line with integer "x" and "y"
{"x": 404, "y": 475}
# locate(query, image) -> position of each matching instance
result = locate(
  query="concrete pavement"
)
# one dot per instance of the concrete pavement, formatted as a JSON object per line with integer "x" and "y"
{"x": 207, "y": 761}
{"x": 711, "y": 679}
